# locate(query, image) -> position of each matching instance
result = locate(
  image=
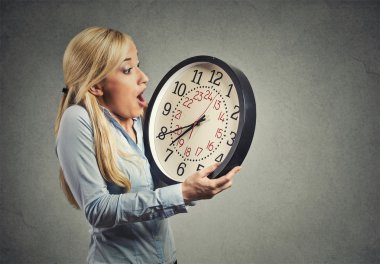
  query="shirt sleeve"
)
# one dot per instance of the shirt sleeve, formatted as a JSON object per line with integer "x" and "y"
{"x": 76, "y": 154}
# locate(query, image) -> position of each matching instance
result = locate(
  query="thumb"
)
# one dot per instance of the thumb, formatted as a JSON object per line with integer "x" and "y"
{"x": 206, "y": 171}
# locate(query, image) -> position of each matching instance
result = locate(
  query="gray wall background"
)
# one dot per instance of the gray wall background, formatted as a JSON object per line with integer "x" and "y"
{"x": 309, "y": 188}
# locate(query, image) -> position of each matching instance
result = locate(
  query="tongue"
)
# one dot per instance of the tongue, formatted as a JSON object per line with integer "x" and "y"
{"x": 142, "y": 101}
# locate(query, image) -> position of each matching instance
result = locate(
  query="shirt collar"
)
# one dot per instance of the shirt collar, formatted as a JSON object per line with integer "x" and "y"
{"x": 138, "y": 149}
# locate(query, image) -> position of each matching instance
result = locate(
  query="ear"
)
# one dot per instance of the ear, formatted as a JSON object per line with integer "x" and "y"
{"x": 97, "y": 90}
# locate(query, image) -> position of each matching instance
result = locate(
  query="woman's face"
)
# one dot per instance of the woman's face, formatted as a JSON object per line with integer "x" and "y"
{"x": 123, "y": 88}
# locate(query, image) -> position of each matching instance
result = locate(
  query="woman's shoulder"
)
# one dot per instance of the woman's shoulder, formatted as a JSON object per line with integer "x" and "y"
{"x": 76, "y": 115}
{"x": 76, "y": 111}
{"x": 75, "y": 130}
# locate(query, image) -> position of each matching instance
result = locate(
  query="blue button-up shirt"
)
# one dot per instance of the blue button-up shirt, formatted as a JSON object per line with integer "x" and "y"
{"x": 125, "y": 227}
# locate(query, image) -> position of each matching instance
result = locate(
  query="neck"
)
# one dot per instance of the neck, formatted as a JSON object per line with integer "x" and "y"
{"x": 126, "y": 123}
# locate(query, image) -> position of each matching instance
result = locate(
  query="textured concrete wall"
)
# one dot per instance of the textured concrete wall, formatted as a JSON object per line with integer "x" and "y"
{"x": 309, "y": 188}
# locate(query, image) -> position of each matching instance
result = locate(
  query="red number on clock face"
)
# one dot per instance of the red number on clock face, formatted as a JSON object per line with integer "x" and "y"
{"x": 217, "y": 104}
{"x": 187, "y": 102}
{"x": 219, "y": 133}
{"x": 181, "y": 142}
{"x": 210, "y": 145}
{"x": 178, "y": 114}
{"x": 187, "y": 151}
{"x": 179, "y": 131}
{"x": 208, "y": 95}
{"x": 221, "y": 116}
{"x": 198, "y": 151}
{"x": 198, "y": 96}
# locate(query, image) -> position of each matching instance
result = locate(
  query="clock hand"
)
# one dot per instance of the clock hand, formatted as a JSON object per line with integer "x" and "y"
{"x": 202, "y": 114}
{"x": 191, "y": 126}
{"x": 164, "y": 134}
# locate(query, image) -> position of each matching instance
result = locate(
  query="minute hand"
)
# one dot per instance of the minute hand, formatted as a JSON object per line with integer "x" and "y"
{"x": 203, "y": 114}
{"x": 175, "y": 130}
{"x": 190, "y": 127}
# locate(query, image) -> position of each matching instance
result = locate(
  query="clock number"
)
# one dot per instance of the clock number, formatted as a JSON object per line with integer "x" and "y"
{"x": 167, "y": 108}
{"x": 198, "y": 151}
{"x": 181, "y": 168}
{"x": 179, "y": 89}
{"x": 171, "y": 152}
{"x": 179, "y": 131}
{"x": 219, "y": 158}
{"x": 208, "y": 95}
{"x": 218, "y": 76}
{"x": 161, "y": 135}
{"x": 210, "y": 145}
{"x": 199, "y": 74}
{"x": 217, "y": 104}
{"x": 180, "y": 142}
{"x": 235, "y": 114}
{"x": 200, "y": 166}
{"x": 219, "y": 133}
{"x": 187, "y": 151}
{"x": 229, "y": 91}
{"x": 232, "y": 138}
{"x": 198, "y": 96}
{"x": 221, "y": 116}
{"x": 178, "y": 114}
{"x": 187, "y": 102}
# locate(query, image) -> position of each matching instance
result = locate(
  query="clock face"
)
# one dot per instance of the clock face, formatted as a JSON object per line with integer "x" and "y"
{"x": 194, "y": 120}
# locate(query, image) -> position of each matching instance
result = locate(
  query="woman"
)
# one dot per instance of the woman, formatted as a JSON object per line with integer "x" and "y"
{"x": 104, "y": 171}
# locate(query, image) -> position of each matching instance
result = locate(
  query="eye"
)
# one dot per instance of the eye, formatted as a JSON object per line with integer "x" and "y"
{"x": 127, "y": 71}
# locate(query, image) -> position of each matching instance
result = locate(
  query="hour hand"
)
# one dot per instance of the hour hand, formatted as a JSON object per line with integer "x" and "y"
{"x": 190, "y": 127}
{"x": 172, "y": 131}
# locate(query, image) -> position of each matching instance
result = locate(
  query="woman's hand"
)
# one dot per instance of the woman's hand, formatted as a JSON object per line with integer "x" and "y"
{"x": 198, "y": 186}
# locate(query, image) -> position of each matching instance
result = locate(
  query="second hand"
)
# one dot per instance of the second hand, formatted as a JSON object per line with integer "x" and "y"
{"x": 198, "y": 122}
{"x": 202, "y": 115}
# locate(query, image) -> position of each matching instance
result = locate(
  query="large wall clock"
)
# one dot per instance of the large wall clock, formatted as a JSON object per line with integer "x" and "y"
{"x": 203, "y": 111}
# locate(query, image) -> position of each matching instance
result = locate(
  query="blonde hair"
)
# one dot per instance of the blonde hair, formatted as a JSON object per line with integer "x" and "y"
{"x": 88, "y": 58}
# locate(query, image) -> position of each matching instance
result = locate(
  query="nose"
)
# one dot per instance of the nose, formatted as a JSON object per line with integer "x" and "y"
{"x": 143, "y": 78}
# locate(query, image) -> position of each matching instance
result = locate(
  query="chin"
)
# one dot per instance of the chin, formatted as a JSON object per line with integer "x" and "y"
{"x": 141, "y": 112}
{"x": 137, "y": 113}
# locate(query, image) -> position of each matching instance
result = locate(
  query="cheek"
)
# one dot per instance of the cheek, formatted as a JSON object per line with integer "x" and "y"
{"x": 119, "y": 91}
{"x": 127, "y": 101}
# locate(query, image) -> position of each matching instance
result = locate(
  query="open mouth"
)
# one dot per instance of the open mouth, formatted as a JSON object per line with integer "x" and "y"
{"x": 142, "y": 102}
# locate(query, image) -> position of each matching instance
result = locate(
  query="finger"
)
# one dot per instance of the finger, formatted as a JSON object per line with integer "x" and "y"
{"x": 233, "y": 172}
{"x": 226, "y": 178}
{"x": 221, "y": 181}
{"x": 206, "y": 171}
{"x": 226, "y": 186}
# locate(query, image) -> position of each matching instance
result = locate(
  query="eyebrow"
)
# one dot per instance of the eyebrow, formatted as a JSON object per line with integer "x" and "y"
{"x": 127, "y": 59}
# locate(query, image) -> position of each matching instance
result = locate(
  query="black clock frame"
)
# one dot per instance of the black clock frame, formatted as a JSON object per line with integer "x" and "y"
{"x": 247, "y": 118}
